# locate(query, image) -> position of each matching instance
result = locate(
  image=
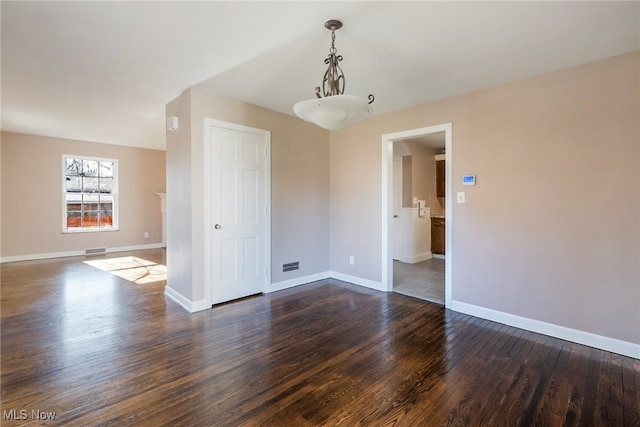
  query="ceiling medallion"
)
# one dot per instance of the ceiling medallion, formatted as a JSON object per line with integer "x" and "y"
{"x": 335, "y": 110}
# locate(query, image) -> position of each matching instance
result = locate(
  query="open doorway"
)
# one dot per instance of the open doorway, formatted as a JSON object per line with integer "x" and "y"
{"x": 419, "y": 202}
{"x": 417, "y": 264}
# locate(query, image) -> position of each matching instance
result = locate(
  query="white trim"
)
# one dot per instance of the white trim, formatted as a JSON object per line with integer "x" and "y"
{"x": 208, "y": 222}
{"x": 135, "y": 248}
{"x": 586, "y": 338}
{"x": 192, "y": 307}
{"x": 387, "y": 204}
{"x": 397, "y": 241}
{"x": 439, "y": 256}
{"x": 388, "y": 244}
{"x": 286, "y": 284}
{"x": 448, "y": 230}
{"x": 441, "y": 156}
{"x": 199, "y": 305}
{"x": 115, "y": 194}
{"x": 178, "y": 297}
{"x": 48, "y": 255}
{"x": 187, "y": 304}
{"x": 327, "y": 275}
{"x": 378, "y": 286}
{"x": 89, "y": 230}
{"x": 416, "y": 258}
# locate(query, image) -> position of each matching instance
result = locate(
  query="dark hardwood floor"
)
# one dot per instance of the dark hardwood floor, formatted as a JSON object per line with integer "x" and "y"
{"x": 98, "y": 349}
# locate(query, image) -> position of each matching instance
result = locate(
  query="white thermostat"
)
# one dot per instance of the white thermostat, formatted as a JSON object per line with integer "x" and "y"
{"x": 468, "y": 180}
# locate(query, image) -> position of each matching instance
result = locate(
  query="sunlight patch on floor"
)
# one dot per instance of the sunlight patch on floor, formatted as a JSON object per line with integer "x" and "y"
{"x": 133, "y": 269}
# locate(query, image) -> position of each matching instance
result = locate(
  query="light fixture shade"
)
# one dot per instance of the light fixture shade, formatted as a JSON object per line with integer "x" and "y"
{"x": 333, "y": 112}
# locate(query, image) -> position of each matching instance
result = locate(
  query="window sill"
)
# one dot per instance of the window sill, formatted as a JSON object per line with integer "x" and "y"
{"x": 90, "y": 230}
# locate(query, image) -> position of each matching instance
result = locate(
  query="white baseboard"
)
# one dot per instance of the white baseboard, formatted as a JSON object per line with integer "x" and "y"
{"x": 358, "y": 281}
{"x": 187, "y": 304}
{"x": 439, "y": 256}
{"x": 586, "y": 338}
{"x": 285, "y": 284}
{"x": 136, "y": 247}
{"x": 48, "y": 255}
{"x": 416, "y": 258}
{"x": 199, "y": 305}
{"x": 327, "y": 275}
{"x": 178, "y": 297}
{"x": 32, "y": 257}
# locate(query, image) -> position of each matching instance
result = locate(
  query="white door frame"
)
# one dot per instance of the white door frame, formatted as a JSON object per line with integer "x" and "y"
{"x": 208, "y": 221}
{"x": 395, "y": 254}
{"x": 387, "y": 203}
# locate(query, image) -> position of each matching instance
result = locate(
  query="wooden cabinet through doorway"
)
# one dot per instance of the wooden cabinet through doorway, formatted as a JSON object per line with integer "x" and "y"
{"x": 440, "y": 180}
{"x": 437, "y": 235}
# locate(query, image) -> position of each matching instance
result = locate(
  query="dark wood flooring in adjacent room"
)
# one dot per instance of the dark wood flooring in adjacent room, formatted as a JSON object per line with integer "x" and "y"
{"x": 99, "y": 349}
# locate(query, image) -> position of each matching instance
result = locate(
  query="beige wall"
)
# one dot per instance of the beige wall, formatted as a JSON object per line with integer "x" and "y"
{"x": 32, "y": 195}
{"x": 423, "y": 170}
{"x": 407, "y": 182}
{"x": 0, "y": 195}
{"x": 180, "y": 260}
{"x": 551, "y": 231}
{"x": 299, "y": 186}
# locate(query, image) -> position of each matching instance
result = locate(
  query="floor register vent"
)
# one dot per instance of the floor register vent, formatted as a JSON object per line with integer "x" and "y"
{"x": 290, "y": 266}
{"x": 95, "y": 251}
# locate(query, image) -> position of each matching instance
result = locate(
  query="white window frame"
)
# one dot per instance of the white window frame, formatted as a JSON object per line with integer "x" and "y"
{"x": 114, "y": 192}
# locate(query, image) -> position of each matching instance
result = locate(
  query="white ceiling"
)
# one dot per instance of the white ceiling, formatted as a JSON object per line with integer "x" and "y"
{"x": 103, "y": 71}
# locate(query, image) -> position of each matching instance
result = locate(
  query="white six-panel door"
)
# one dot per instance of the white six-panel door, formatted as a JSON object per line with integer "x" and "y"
{"x": 238, "y": 162}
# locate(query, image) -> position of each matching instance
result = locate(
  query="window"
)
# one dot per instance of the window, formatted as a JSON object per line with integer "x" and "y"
{"x": 90, "y": 192}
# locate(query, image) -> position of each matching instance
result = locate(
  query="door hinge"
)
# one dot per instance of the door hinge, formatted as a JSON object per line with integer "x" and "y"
{"x": 265, "y": 211}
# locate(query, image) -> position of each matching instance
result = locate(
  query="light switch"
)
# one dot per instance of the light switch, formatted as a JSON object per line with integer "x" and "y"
{"x": 460, "y": 197}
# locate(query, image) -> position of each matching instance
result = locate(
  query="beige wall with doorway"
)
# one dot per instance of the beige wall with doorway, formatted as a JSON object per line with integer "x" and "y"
{"x": 551, "y": 231}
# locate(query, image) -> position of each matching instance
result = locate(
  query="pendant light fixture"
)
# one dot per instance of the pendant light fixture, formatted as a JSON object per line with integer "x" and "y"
{"x": 335, "y": 110}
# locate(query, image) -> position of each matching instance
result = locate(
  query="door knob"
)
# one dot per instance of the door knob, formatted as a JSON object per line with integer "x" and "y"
{"x": 217, "y": 226}
{"x": 395, "y": 216}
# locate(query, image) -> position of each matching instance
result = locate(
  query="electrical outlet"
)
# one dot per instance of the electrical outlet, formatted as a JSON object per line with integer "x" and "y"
{"x": 352, "y": 260}
{"x": 146, "y": 234}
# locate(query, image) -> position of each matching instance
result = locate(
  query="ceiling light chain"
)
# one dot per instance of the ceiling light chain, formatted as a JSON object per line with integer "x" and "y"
{"x": 334, "y": 81}
{"x": 335, "y": 110}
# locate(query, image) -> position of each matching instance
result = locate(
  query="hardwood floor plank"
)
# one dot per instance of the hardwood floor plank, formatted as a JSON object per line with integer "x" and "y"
{"x": 101, "y": 350}
{"x": 630, "y": 391}
{"x": 463, "y": 400}
{"x": 546, "y": 414}
{"x": 400, "y": 385}
{"x": 539, "y": 411}
{"x": 458, "y": 371}
{"x": 588, "y": 410}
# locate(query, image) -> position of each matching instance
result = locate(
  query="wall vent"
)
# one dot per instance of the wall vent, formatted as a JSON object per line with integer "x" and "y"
{"x": 95, "y": 251}
{"x": 290, "y": 266}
